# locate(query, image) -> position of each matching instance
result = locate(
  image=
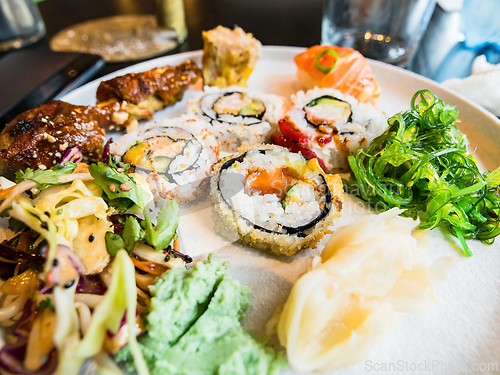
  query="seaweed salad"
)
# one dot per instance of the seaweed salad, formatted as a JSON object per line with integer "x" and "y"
{"x": 421, "y": 164}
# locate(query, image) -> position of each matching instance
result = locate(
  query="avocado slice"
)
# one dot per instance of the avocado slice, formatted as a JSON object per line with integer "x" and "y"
{"x": 255, "y": 108}
{"x": 158, "y": 164}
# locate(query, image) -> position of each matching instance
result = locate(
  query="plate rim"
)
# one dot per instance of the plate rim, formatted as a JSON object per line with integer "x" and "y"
{"x": 273, "y": 48}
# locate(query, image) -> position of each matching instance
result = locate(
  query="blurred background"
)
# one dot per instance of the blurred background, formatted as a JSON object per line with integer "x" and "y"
{"x": 440, "y": 55}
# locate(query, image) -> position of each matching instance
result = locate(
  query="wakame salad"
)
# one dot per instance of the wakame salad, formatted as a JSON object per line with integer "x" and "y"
{"x": 421, "y": 164}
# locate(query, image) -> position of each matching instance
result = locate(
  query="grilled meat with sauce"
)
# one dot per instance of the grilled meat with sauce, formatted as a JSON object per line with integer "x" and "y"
{"x": 39, "y": 137}
{"x": 141, "y": 94}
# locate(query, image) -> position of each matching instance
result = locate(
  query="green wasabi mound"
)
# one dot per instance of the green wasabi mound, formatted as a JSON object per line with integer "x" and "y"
{"x": 194, "y": 326}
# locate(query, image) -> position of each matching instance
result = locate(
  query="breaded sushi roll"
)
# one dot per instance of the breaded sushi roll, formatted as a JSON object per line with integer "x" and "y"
{"x": 173, "y": 155}
{"x": 274, "y": 200}
{"x": 239, "y": 116}
{"x": 325, "y": 124}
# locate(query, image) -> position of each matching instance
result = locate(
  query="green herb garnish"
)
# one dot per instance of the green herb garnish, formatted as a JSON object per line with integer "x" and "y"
{"x": 420, "y": 164}
{"x": 167, "y": 222}
{"x": 46, "y": 177}
{"x": 46, "y": 303}
{"x": 323, "y": 68}
{"x": 131, "y": 233}
{"x": 16, "y": 226}
{"x": 105, "y": 176}
{"x": 114, "y": 243}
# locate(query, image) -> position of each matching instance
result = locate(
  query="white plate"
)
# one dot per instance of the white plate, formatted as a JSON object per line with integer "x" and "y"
{"x": 463, "y": 330}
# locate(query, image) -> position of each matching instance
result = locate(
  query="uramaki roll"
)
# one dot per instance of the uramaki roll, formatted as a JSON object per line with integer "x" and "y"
{"x": 274, "y": 200}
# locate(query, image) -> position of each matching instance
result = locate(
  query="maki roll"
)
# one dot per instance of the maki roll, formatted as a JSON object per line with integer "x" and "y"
{"x": 239, "y": 116}
{"x": 173, "y": 155}
{"x": 325, "y": 124}
{"x": 274, "y": 200}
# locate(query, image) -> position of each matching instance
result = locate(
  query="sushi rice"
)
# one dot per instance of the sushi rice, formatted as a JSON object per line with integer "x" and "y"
{"x": 173, "y": 155}
{"x": 238, "y": 116}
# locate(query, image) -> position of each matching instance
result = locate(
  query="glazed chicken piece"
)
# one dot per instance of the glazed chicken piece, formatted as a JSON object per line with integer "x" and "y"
{"x": 141, "y": 94}
{"x": 39, "y": 137}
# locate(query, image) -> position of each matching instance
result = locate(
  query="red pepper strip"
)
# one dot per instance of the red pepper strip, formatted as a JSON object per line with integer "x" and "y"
{"x": 324, "y": 140}
{"x": 292, "y": 133}
{"x": 298, "y": 148}
{"x": 149, "y": 267}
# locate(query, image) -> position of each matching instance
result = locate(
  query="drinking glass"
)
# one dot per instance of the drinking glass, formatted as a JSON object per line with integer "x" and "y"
{"x": 20, "y": 24}
{"x": 385, "y": 30}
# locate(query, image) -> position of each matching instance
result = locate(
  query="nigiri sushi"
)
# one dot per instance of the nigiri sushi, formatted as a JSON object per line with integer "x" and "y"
{"x": 340, "y": 68}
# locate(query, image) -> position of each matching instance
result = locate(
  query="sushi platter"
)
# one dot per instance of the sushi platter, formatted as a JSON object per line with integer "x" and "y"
{"x": 221, "y": 187}
{"x": 462, "y": 329}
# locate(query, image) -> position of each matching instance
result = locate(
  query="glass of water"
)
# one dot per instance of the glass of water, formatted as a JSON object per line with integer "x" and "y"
{"x": 20, "y": 24}
{"x": 385, "y": 30}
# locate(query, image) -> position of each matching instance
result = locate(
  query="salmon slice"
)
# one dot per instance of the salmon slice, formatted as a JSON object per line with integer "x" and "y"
{"x": 351, "y": 73}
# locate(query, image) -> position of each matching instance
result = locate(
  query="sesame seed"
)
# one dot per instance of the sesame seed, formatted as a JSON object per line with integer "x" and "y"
{"x": 125, "y": 187}
{"x": 120, "y": 170}
{"x": 112, "y": 188}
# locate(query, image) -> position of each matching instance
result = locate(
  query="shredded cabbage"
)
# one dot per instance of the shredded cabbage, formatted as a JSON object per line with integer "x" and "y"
{"x": 120, "y": 297}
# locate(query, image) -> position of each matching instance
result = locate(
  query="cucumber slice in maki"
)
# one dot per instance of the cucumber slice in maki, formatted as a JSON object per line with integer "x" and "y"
{"x": 292, "y": 195}
{"x": 325, "y": 111}
{"x": 239, "y": 104}
{"x": 158, "y": 164}
{"x": 140, "y": 157}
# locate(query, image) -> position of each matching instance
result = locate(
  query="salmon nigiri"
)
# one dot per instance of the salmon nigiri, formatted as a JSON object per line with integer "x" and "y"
{"x": 341, "y": 68}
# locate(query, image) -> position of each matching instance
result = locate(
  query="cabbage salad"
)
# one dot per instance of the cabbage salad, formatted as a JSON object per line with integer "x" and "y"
{"x": 83, "y": 248}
